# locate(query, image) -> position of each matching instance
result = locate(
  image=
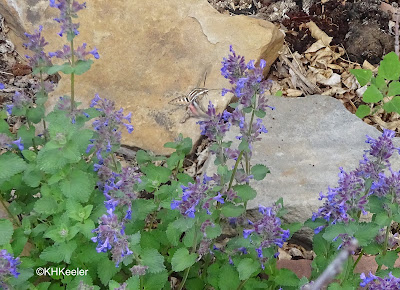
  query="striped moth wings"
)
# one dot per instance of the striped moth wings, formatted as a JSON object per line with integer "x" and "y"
{"x": 192, "y": 102}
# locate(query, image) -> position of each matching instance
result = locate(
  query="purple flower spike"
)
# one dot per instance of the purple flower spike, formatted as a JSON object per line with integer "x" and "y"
{"x": 8, "y": 268}
{"x": 377, "y": 283}
{"x": 111, "y": 236}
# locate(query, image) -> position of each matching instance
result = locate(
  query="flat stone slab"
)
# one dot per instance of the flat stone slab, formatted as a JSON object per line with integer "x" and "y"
{"x": 308, "y": 140}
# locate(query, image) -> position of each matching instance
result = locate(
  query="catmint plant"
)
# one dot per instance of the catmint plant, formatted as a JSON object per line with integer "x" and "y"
{"x": 72, "y": 204}
{"x": 371, "y": 188}
{"x": 8, "y": 268}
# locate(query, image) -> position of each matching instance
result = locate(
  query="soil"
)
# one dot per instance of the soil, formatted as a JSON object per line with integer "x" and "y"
{"x": 361, "y": 27}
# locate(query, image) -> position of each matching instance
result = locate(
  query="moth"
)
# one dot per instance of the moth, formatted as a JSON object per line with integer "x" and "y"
{"x": 192, "y": 101}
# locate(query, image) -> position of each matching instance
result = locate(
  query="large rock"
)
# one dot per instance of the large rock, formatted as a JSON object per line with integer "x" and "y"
{"x": 150, "y": 51}
{"x": 308, "y": 140}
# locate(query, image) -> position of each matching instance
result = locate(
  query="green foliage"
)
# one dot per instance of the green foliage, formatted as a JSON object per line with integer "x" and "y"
{"x": 385, "y": 84}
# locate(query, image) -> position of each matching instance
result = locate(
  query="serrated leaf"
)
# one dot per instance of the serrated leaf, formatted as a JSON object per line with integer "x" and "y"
{"x": 213, "y": 231}
{"x": 153, "y": 259}
{"x": 86, "y": 228}
{"x": 247, "y": 267}
{"x": 228, "y": 278}
{"x": 363, "y": 76}
{"x": 35, "y": 115}
{"x": 387, "y": 260}
{"x": 49, "y": 160}
{"x": 58, "y": 253}
{"x": 46, "y": 205}
{"x": 142, "y": 157}
{"x": 389, "y": 67}
{"x": 183, "y": 224}
{"x": 182, "y": 260}
{"x": 4, "y": 127}
{"x": 32, "y": 176}
{"x": 26, "y": 135}
{"x": 285, "y": 277}
{"x": 77, "y": 185}
{"x": 29, "y": 155}
{"x": 19, "y": 241}
{"x": 393, "y": 105}
{"x": 173, "y": 234}
{"x": 6, "y": 230}
{"x": 230, "y": 210}
{"x": 245, "y": 192}
{"x": 157, "y": 173}
{"x": 142, "y": 207}
{"x": 106, "y": 270}
{"x": 259, "y": 171}
{"x": 372, "y": 95}
{"x": 81, "y": 139}
{"x": 362, "y": 111}
{"x": 155, "y": 281}
{"x": 10, "y": 164}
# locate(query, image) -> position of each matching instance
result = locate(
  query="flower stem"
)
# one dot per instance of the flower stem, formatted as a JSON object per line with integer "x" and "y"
{"x": 186, "y": 274}
{"x": 241, "y": 284}
{"x": 16, "y": 222}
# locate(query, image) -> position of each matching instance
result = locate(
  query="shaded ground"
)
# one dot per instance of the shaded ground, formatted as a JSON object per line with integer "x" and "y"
{"x": 361, "y": 27}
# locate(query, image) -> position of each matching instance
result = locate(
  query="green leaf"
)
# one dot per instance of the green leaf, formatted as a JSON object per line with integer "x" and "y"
{"x": 260, "y": 113}
{"x": 35, "y": 115}
{"x": 32, "y": 176}
{"x": 29, "y": 155}
{"x": 380, "y": 83}
{"x": 174, "y": 160}
{"x": 4, "y": 127}
{"x": 183, "y": 224}
{"x": 363, "y": 76}
{"x": 394, "y": 89}
{"x": 393, "y": 105}
{"x": 157, "y": 173}
{"x": 182, "y": 260}
{"x": 173, "y": 234}
{"x": 230, "y": 210}
{"x": 142, "y": 207}
{"x": 58, "y": 253}
{"x": 247, "y": 267}
{"x": 228, "y": 278}
{"x": 142, "y": 157}
{"x": 26, "y": 135}
{"x": 46, "y": 205}
{"x": 285, "y": 277}
{"x": 155, "y": 281}
{"x": 387, "y": 260}
{"x": 244, "y": 146}
{"x": 362, "y": 111}
{"x": 10, "y": 164}
{"x": 213, "y": 231}
{"x": 372, "y": 95}
{"x": 366, "y": 233}
{"x": 56, "y": 68}
{"x": 19, "y": 241}
{"x": 6, "y": 230}
{"x": 49, "y": 160}
{"x": 86, "y": 228}
{"x": 77, "y": 185}
{"x": 80, "y": 139}
{"x": 82, "y": 66}
{"x": 106, "y": 270}
{"x": 153, "y": 259}
{"x": 245, "y": 192}
{"x": 389, "y": 67}
{"x": 259, "y": 171}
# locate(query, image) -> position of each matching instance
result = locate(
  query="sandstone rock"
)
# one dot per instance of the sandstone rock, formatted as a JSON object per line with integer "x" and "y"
{"x": 149, "y": 52}
{"x": 308, "y": 140}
